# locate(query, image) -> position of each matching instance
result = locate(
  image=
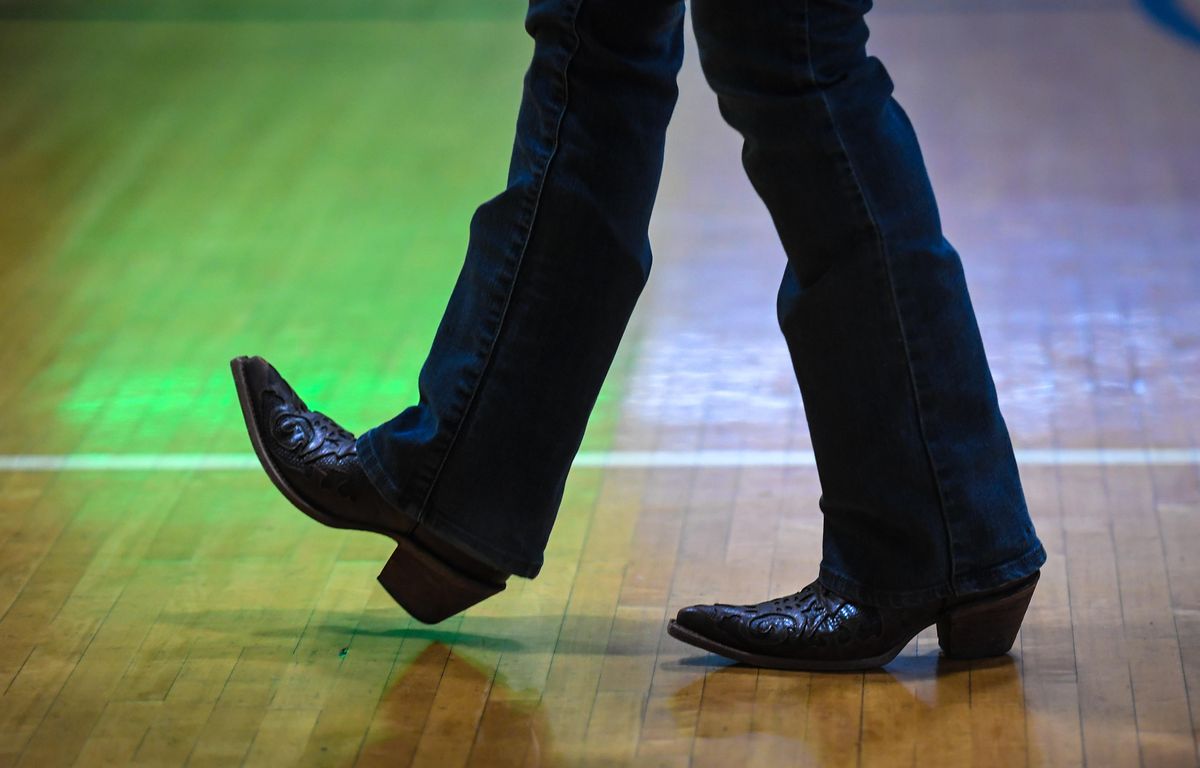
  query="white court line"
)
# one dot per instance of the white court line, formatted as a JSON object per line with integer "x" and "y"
{"x": 175, "y": 462}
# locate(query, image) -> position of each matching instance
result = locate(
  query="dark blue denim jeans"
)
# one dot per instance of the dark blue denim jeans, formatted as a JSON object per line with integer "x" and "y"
{"x": 920, "y": 491}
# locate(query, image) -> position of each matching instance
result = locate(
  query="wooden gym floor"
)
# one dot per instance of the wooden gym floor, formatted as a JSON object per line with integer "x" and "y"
{"x": 182, "y": 182}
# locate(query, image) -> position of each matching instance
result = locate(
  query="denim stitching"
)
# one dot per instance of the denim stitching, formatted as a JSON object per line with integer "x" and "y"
{"x": 881, "y": 246}
{"x": 532, "y": 220}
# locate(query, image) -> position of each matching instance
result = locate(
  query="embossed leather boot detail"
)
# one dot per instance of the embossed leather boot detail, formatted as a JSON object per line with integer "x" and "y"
{"x": 314, "y": 464}
{"x": 817, "y": 629}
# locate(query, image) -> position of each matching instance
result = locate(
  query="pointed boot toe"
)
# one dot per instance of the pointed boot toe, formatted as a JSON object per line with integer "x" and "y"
{"x": 314, "y": 463}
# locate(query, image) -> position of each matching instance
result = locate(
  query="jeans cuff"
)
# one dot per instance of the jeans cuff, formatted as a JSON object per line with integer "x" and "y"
{"x": 372, "y": 467}
{"x": 974, "y": 581}
{"x": 997, "y": 576}
{"x": 497, "y": 557}
{"x": 445, "y": 529}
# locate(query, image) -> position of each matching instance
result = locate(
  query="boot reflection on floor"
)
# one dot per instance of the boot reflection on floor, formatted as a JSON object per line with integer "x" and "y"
{"x": 440, "y": 708}
{"x": 920, "y": 709}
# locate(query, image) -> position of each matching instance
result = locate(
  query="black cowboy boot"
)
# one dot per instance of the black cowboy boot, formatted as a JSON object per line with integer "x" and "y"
{"x": 816, "y": 629}
{"x": 314, "y": 464}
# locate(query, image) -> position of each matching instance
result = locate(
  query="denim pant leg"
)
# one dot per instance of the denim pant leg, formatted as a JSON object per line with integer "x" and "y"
{"x": 920, "y": 491}
{"x": 553, "y": 268}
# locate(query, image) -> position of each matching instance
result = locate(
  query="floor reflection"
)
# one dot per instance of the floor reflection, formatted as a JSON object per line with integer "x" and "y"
{"x": 919, "y": 708}
{"x": 441, "y": 708}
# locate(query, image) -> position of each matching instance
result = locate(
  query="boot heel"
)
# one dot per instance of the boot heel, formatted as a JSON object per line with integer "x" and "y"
{"x": 987, "y": 627}
{"x": 428, "y": 588}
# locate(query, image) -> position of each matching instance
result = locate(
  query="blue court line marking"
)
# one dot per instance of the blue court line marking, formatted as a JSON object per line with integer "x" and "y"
{"x": 192, "y": 462}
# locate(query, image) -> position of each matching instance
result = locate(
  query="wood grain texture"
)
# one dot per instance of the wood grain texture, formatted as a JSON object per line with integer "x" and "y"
{"x": 178, "y": 186}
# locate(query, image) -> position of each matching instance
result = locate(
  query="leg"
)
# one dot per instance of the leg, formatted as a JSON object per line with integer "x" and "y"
{"x": 553, "y": 269}
{"x": 920, "y": 491}
{"x": 469, "y": 480}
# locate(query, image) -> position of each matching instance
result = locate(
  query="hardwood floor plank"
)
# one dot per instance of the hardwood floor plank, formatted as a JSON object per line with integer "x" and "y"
{"x": 185, "y": 184}
{"x": 1181, "y": 527}
{"x": 281, "y": 737}
{"x": 227, "y": 736}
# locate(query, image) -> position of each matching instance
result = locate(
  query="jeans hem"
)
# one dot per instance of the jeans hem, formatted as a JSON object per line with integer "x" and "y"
{"x": 974, "y": 581}
{"x": 449, "y": 532}
{"x": 487, "y": 552}
{"x": 997, "y": 576}
{"x": 372, "y": 467}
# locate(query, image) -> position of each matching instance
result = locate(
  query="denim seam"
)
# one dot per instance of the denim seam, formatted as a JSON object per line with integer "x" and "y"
{"x": 881, "y": 247}
{"x": 531, "y": 220}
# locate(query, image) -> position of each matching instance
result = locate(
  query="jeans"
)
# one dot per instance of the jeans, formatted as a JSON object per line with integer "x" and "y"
{"x": 919, "y": 488}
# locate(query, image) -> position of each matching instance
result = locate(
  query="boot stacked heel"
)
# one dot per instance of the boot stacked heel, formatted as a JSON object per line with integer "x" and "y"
{"x": 987, "y": 627}
{"x": 428, "y": 588}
